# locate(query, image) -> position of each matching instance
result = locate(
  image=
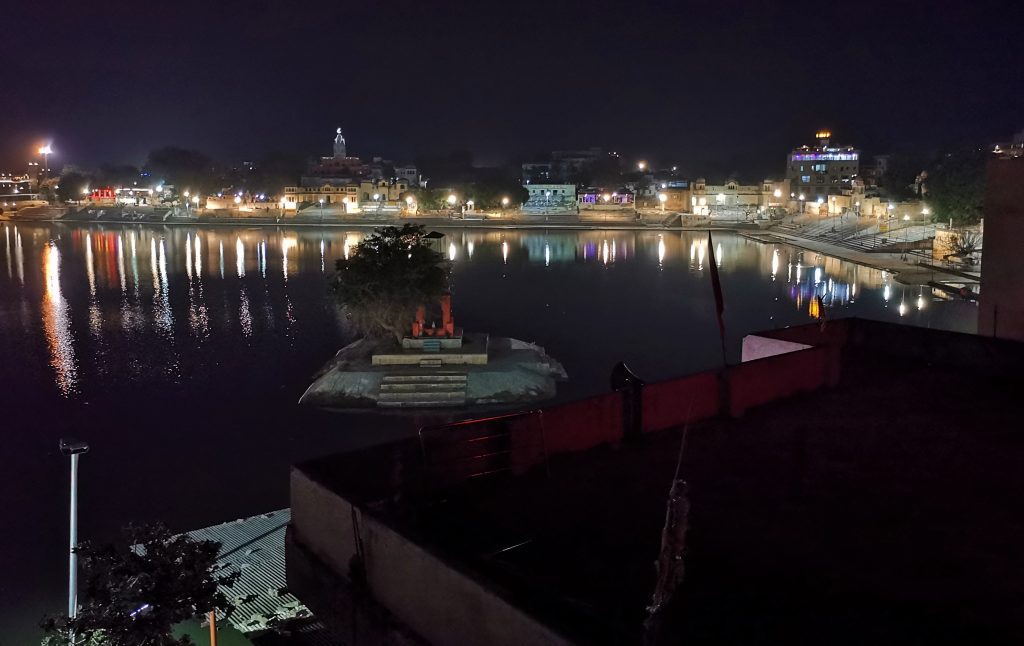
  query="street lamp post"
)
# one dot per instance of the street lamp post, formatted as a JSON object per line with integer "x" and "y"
{"x": 662, "y": 198}
{"x": 321, "y": 210}
{"x": 45, "y": 152}
{"x": 73, "y": 449}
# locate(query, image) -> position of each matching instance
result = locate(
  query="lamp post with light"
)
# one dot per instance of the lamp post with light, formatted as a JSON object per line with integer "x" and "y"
{"x": 451, "y": 205}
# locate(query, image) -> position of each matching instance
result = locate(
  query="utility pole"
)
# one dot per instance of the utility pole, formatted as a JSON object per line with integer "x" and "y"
{"x": 73, "y": 449}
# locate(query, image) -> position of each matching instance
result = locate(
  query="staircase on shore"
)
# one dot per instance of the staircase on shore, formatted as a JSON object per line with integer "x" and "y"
{"x": 439, "y": 389}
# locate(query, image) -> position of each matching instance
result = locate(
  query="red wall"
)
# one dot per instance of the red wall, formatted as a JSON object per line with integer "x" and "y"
{"x": 677, "y": 401}
{"x": 521, "y": 441}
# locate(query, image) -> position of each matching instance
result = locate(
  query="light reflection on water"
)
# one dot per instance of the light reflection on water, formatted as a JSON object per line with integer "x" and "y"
{"x": 57, "y": 324}
{"x": 667, "y": 267}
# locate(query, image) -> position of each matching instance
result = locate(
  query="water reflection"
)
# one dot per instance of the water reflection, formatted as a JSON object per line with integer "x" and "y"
{"x": 57, "y": 323}
{"x": 104, "y": 283}
{"x": 239, "y": 258}
{"x": 19, "y": 256}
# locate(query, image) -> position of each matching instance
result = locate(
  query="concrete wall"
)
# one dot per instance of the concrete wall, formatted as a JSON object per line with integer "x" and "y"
{"x": 324, "y": 520}
{"x": 1001, "y": 311}
{"x": 430, "y": 596}
{"x": 438, "y": 602}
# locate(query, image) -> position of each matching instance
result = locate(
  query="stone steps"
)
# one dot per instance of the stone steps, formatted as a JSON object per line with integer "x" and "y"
{"x": 422, "y": 391}
{"x": 444, "y": 386}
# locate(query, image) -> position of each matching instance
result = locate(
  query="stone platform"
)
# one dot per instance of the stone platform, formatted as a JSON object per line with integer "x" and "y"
{"x": 504, "y": 371}
{"x": 463, "y": 349}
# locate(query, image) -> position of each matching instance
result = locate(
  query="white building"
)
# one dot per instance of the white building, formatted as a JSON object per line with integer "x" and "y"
{"x": 550, "y": 199}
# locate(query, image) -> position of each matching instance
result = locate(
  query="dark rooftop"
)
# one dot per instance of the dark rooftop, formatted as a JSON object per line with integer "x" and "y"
{"x": 883, "y": 509}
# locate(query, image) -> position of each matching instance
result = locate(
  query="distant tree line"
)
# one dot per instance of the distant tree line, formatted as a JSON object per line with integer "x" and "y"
{"x": 952, "y": 184}
{"x": 186, "y": 169}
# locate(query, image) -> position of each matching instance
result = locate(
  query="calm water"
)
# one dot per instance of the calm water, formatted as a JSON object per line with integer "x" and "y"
{"x": 179, "y": 353}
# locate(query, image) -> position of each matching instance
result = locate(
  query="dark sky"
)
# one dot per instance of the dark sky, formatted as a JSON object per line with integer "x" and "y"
{"x": 716, "y": 87}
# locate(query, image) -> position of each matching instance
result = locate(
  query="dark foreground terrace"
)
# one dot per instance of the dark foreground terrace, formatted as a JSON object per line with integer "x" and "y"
{"x": 866, "y": 489}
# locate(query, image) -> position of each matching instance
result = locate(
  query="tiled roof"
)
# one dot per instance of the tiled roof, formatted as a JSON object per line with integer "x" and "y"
{"x": 255, "y": 547}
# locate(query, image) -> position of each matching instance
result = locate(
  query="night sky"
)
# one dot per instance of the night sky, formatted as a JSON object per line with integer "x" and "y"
{"x": 714, "y": 87}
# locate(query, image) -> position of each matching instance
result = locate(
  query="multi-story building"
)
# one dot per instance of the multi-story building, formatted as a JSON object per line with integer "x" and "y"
{"x": 550, "y": 199}
{"x": 823, "y": 169}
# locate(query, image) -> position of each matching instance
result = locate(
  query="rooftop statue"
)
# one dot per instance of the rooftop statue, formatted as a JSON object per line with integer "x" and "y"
{"x": 339, "y": 145}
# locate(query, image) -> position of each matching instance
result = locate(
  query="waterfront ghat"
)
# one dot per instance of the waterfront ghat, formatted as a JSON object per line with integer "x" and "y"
{"x": 912, "y": 270}
{"x": 179, "y": 352}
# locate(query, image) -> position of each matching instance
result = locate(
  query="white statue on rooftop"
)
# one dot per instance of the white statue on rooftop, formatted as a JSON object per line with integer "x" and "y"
{"x": 339, "y": 145}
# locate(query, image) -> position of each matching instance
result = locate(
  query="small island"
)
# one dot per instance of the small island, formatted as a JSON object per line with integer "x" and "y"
{"x": 405, "y": 359}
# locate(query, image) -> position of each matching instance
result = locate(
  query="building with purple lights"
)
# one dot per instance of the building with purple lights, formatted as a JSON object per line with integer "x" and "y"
{"x": 823, "y": 169}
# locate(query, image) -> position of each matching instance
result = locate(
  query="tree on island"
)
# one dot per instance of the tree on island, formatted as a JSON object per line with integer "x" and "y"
{"x": 386, "y": 277}
{"x": 135, "y": 592}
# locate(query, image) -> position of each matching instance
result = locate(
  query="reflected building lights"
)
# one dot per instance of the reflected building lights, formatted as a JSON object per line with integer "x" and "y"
{"x": 120, "y": 265}
{"x": 7, "y": 254}
{"x": 188, "y": 256}
{"x": 221, "y": 245}
{"x": 504, "y": 251}
{"x": 239, "y": 258}
{"x": 164, "y": 319}
{"x": 547, "y": 254}
{"x": 322, "y": 255}
{"x": 287, "y": 244}
{"x": 90, "y": 269}
{"x": 199, "y": 264}
{"x": 661, "y": 250}
{"x": 57, "y": 324}
{"x": 469, "y": 249}
{"x": 19, "y": 256}
{"x": 244, "y": 315}
{"x": 718, "y": 255}
{"x": 135, "y": 267}
{"x": 451, "y": 251}
{"x": 775, "y": 263}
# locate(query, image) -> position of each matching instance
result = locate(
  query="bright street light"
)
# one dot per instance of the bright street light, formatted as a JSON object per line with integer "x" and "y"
{"x": 777, "y": 193}
{"x": 504, "y": 201}
{"x": 641, "y": 165}
{"x": 452, "y": 199}
{"x": 195, "y": 200}
{"x": 408, "y": 200}
{"x": 238, "y": 200}
{"x": 45, "y": 150}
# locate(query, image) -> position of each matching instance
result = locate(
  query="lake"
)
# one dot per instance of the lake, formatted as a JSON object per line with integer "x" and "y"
{"x": 179, "y": 352}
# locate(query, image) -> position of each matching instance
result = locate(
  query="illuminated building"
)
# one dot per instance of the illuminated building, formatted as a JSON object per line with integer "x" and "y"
{"x": 823, "y": 169}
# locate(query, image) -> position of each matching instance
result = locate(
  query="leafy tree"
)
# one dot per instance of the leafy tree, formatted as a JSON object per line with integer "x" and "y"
{"x": 185, "y": 169}
{"x": 135, "y": 592}
{"x": 956, "y": 187}
{"x": 390, "y": 274}
{"x": 118, "y": 175}
{"x": 72, "y": 183}
{"x": 899, "y": 179}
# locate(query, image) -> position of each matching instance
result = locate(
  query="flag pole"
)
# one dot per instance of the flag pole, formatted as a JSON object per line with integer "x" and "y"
{"x": 716, "y": 286}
